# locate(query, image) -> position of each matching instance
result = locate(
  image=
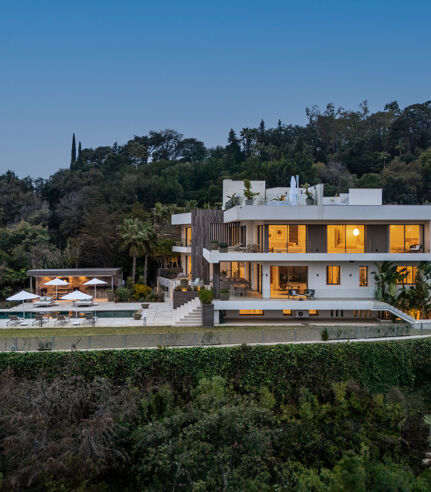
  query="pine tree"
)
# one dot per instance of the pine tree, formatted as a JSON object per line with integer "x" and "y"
{"x": 73, "y": 155}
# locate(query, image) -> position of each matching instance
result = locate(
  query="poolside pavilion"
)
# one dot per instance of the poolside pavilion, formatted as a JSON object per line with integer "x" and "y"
{"x": 76, "y": 278}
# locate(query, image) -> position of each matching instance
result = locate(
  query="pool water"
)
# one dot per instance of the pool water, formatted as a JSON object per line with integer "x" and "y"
{"x": 72, "y": 314}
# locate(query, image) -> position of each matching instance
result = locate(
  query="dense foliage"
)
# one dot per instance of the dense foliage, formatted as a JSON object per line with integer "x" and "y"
{"x": 261, "y": 418}
{"x": 74, "y": 217}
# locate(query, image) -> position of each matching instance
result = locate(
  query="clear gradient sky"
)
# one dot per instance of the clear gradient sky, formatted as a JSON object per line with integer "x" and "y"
{"x": 108, "y": 70}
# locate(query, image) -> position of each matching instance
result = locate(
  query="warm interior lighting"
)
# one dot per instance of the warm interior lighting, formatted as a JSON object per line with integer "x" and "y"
{"x": 356, "y": 232}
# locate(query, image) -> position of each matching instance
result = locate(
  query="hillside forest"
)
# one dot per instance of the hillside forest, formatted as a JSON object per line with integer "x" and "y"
{"x": 112, "y": 204}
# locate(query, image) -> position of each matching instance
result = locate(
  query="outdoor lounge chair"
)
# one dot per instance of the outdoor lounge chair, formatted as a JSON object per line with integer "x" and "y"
{"x": 237, "y": 247}
{"x": 90, "y": 319}
{"x": 84, "y": 303}
{"x": 137, "y": 315}
{"x": 44, "y": 302}
{"x": 14, "y": 319}
{"x": 39, "y": 319}
{"x": 61, "y": 319}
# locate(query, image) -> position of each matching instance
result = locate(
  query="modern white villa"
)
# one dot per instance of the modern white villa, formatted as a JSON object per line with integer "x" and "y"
{"x": 289, "y": 253}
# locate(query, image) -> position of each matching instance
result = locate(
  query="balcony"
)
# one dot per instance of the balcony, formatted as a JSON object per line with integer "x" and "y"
{"x": 182, "y": 246}
{"x": 215, "y": 256}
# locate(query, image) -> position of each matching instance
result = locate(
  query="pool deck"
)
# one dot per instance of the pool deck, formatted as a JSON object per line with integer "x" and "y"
{"x": 157, "y": 314}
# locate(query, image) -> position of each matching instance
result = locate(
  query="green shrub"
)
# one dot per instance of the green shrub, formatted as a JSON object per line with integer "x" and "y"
{"x": 206, "y": 296}
{"x": 325, "y": 335}
{"x": 141, "y": 291}
{"x": 123, "y": 294}
{"x": 224, "y": 291}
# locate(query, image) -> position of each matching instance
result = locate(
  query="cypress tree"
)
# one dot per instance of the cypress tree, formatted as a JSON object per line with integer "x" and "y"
{"x": 73, "y": 154}
{"x": 79, "y": 160}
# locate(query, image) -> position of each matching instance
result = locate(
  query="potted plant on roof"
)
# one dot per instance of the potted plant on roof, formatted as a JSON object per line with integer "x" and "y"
{"x": 248, "y": 194}
{"x": 310, "y": 197}
{"x": 214, "y": 244}
{"x": 222, "y": 247}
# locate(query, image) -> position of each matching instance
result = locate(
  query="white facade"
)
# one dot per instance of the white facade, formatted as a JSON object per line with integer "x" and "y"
{"x": 352, "y": 293}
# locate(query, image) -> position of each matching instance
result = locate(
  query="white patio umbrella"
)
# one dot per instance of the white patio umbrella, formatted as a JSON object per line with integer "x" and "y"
{"x": 56, "y": 282}
{"x": 76, "y": 295}
{"x": 95, "y": 282}
{"x": 293, "y": 195}
{"x": 22, "y": 296}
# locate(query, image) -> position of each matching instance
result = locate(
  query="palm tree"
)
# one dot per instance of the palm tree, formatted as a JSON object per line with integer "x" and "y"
{"x": 386, "y": 279}
{"x": 133, "y": 233}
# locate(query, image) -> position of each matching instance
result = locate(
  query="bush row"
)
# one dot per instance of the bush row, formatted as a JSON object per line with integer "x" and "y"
{"x": 283, "y": 368}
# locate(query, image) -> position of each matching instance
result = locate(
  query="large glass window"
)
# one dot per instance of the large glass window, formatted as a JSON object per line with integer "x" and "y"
{"x": 333, "y": 275}
{"x": 188, "y": 236}
{"x": 287, "y": 238}
{"x": 410, "y": 272}
{"x": 346, "y": 238}
{"x": 285, "y": 278}
{"x": 363, "y": 276}
{"x": 405, "y": 238}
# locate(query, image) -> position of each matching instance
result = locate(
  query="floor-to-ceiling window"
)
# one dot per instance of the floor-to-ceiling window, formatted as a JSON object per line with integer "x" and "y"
{"x": 287, "y": 238}
{"x": 405, "y": 238}
{"x": 188, "y": 236}
{"x": 285, "y": 278}
{"x": 344, "y": 238}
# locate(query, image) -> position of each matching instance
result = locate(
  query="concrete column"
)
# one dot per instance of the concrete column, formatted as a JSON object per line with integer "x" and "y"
{"x": 216, "y": 317}
{"x": 216, "y": 280}
{"x": 266, "y": 281}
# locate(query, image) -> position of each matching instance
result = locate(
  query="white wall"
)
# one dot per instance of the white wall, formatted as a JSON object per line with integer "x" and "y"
{"x": 365, "y": 196}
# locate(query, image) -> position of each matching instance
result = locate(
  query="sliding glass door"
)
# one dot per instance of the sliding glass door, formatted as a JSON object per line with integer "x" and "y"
{"x": 285, "y": 278}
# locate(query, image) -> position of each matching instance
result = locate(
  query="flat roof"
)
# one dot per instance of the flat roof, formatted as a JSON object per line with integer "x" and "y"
{"x": 74, "y": 272}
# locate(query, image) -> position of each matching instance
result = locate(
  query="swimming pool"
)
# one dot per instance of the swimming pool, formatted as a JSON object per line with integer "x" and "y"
{"x": 100, "y": 314}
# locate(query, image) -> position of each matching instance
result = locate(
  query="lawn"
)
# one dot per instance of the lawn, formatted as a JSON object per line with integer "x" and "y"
{"x": 122, "y": 330}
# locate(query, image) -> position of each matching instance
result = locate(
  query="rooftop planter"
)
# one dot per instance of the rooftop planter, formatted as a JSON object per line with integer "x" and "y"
{"x": 222, "y": 247}
{"x": 248, "y": 194}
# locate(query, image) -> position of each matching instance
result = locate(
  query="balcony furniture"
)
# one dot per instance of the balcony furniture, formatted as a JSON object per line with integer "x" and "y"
{"x": 238, "y": 290}
{"x": 237, "y": 247}
{"x": 415, "y": 248}
{"x": 309, "y": 293}
{"x": 61, "y": 319}
{"x": 14, "y": 319}
{"x": 292, "y": 293}
{"x": 44, "y": 302}
{"x": 197, "y": 283}
{"x": 39, "y": 319}
{"x": 254, "y": 249}
{"x": 138, "y": 315}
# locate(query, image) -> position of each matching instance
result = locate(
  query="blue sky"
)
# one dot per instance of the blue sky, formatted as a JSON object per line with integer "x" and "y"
{"x": 108, "y": 70}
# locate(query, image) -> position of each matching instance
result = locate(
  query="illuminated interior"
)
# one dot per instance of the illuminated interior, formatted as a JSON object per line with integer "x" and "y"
{"x": 411, "y": 272}
{"x": 189, "y": 265}
{"x": 251, "y": 312}
{"x": 363, "y": 276}
{"x": 188, "y": 236}
{"x": 285, "y": 278}
{"x": 287, "y": 238}
{"x": 404, "y": 238}
{"x": 333, "y": 275}
{"x": 346, "y": 238}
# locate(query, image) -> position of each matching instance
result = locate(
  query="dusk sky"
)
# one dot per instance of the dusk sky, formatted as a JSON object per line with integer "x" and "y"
{"x": 109, "y": 70}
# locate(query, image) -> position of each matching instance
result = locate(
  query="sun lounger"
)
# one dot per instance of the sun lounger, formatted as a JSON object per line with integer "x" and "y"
{"x": 138, "y": 315}
{"x": 39, "y": 319}
{"x": 61, "y": 319}
{"x": 84, "y": 303}
{"x": 13, "y": 319}
{"x": 44, "y": 302}
{"x": 90, "y": 319}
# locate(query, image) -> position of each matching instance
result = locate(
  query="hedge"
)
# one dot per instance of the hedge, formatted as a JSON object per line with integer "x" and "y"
{"x": 283, "y": 368}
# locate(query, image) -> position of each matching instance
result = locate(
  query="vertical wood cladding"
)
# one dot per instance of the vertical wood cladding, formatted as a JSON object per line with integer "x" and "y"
{"x": 201, "y": 227}
{"x": 377, "y": 238}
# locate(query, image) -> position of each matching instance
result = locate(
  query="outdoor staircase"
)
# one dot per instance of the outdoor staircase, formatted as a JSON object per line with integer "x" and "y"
{"x": 397, "y": 312}
{"x": 189, "y": 314}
